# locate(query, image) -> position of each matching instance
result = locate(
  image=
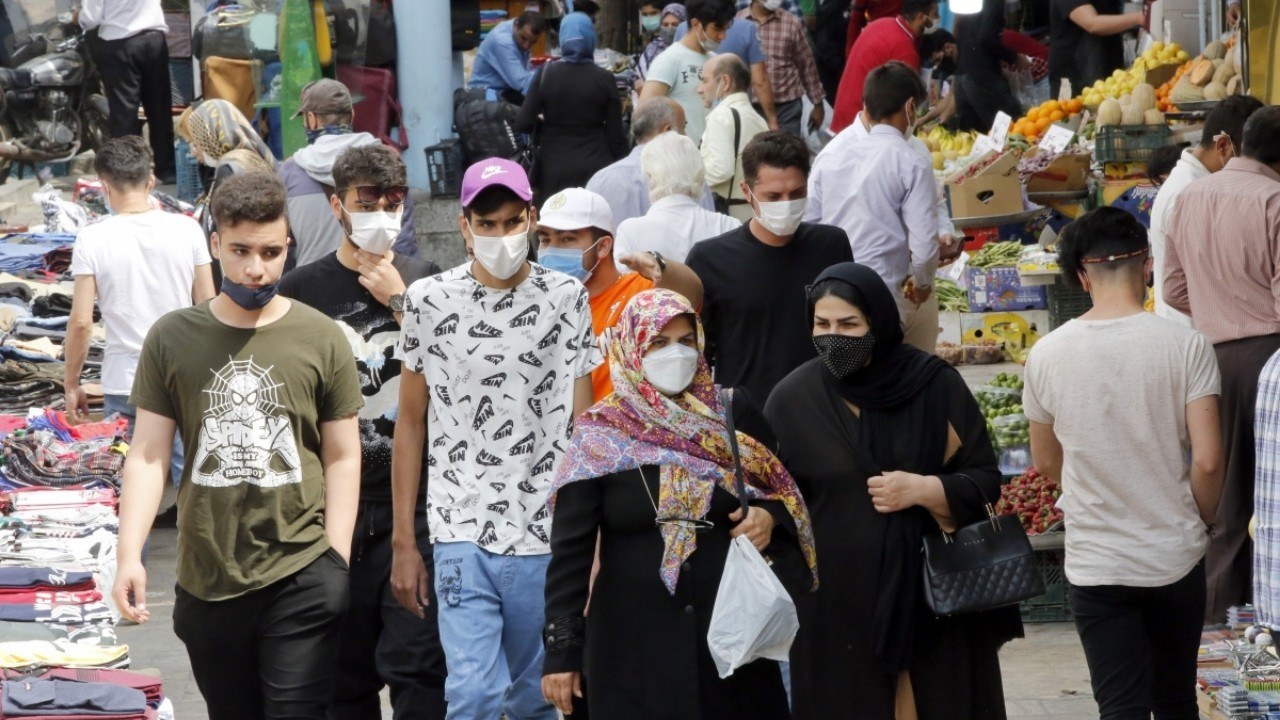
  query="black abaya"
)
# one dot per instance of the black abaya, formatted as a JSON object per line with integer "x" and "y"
{"x": 953, "y": 662}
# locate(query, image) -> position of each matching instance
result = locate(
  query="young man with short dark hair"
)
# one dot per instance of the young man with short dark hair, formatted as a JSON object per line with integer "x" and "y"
{"x": 139, "y": 264}
{"x": 502, "y": 62}
{"x": 883, "y": 193}
{"x": 753, "y": 338}
{"x": 575, "y": 237}
{"x": 362, "y": 287}
{"x": 677, "y": 71}
{"x": 1124, "y": 415}
{"x": 265, "y": 394}
{"x": 885, "y": 40}
{"x": 498, "y": 354}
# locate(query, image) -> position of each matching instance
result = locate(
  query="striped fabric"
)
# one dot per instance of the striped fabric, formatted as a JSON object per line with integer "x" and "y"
{"x": 1266, "y": 498}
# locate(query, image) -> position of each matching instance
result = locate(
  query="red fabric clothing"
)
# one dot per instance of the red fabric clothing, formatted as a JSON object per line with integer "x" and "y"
{"x": 1024, "y": 44}
{"x": 50, "y": 595}
{"x": 884, "y": 40}
{"x": 865, "y": 11}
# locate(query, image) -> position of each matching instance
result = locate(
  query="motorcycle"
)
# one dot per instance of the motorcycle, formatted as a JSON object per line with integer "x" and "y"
{"x": 51, "y": 107}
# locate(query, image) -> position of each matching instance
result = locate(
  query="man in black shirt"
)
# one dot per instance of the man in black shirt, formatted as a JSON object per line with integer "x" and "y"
{"x": 361, "y": 286}
{"x": 753, "y": 310}
{"x": 980, "y": 87}
{"x": 1084, "y": 41}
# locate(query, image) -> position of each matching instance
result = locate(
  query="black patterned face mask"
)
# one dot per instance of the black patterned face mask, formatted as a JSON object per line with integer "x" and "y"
{"x": 845, "y": 354}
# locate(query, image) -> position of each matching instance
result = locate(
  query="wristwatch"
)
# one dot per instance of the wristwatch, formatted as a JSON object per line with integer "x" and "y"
{"x": 662, "y": 262}
{"x": 396, "y": 303}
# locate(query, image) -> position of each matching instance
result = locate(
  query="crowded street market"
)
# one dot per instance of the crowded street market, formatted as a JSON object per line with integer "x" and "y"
{"x": 702, "y": 360}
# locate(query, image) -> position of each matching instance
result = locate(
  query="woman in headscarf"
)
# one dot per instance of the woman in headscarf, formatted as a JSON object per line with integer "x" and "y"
{"x": 573, "y": 112}
{"x": 224, "y": 143}
{"x": 673, "y": 16}
{"x": 650, "y": 471}
{"x": 888, "y": 445}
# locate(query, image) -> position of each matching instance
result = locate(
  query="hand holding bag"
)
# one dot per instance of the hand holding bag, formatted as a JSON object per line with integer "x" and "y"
{"x": 754, "y": 616}
{"x": 982, "y": 566}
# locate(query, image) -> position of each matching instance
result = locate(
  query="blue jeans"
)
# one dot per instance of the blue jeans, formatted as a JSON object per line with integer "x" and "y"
{"x": 112, "y": 404}
{"x": 490, "y": 610}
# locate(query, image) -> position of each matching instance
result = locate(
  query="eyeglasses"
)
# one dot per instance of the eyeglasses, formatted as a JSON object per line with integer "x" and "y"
{"x": 370, "y": 194}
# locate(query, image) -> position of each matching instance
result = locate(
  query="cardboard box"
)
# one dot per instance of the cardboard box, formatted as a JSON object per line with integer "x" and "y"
{"x": 1068, "y": 173}
{"x": 996, "y": 190}
{"x": 1000, "y": 289}
{"x": 1161, "y": 74}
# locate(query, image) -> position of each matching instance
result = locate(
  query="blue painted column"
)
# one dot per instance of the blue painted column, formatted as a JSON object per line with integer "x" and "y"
{"x": 427, "y": 75}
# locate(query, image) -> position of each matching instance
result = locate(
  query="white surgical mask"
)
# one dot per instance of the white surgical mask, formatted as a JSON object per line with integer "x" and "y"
{"x": 771, "y": 4}
{"x": 501, "y": 256}
{"x": 782, "y": 217}
{"x": 671, "y": 368}
{"x": 708, "y": 45}
{"x": 374, "y": 232}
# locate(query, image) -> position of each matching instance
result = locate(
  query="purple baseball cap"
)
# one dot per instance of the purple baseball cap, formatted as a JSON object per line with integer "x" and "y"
{"x": 495, "y": 171}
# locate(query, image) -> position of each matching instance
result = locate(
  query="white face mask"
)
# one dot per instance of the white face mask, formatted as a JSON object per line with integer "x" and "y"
{"x": 771, "y": 4}
{"x": 501, "y": 256}
{"x": 374, "y": 232}
{"x": 782, "y": 217}
{"x": 671, "y": 368}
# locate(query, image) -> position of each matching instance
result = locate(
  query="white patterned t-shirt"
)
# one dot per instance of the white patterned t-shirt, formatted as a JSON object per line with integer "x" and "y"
{"x": 500, "y": 367}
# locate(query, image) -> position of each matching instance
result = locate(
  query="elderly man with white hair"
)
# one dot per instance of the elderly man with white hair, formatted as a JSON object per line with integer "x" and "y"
{"x": 675, "y": 220}
{"x": 623, "y": 184}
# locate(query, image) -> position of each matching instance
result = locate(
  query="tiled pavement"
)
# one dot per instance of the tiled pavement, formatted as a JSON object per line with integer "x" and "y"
{"x": 1044, "y": 674}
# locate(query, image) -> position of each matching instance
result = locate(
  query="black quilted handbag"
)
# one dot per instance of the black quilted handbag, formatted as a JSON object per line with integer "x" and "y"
{"x": 982, "y": 566}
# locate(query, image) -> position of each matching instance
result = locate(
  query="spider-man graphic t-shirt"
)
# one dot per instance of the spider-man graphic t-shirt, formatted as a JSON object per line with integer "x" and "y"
{"x": 249, "y": 404}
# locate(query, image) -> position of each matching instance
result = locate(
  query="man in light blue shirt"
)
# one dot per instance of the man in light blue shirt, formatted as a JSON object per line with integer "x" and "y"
{"x": 623, "y": 184}
{"x": 883, "y": 194}
{"x": 502, "y": 61}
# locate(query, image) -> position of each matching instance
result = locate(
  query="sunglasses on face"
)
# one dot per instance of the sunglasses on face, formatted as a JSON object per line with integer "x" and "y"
{"x": 370, "y": 194}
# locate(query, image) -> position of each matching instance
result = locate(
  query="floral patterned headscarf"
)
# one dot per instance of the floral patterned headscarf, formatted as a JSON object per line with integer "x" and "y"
{"x": 216, "y": 127}
{"x": 686, "y": 436}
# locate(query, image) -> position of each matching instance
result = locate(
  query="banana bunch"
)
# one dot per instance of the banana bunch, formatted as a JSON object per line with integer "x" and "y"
{"x": 945, "y": 145}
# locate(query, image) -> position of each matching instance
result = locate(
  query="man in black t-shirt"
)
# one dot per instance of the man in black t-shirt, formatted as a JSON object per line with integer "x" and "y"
{"x": 1084, "y": 41}
{"x": 361, "y": 286}
{"x": 753, "y": 311}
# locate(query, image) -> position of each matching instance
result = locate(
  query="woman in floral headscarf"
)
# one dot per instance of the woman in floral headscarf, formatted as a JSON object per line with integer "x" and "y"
{"x": 650, "y": 471}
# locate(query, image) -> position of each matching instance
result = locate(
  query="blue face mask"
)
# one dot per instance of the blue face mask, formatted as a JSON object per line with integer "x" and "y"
{"x": 567, "y": 261}
{"x": 316, "y": 134}
{"x": 246, "y": 298}
{"x": 650, "y": 23}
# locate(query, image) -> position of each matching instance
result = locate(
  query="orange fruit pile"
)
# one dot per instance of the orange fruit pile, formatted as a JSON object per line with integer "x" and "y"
{"x": 1038, "y": 119}
{"x": 1163, "y": 92}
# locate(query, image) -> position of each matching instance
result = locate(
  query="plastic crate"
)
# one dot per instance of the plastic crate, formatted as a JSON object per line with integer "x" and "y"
{"x": 975, "y": 238}
{"x": 1129, "y": 143}
{"x": 444, "y": 169}
{"x": 1054, "y": 605}
{"x": 1066, "y": 303}
{"x": 188, "y": 171}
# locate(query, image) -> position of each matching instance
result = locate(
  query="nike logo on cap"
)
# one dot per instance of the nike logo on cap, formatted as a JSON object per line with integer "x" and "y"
{"x": 490, "y": 171}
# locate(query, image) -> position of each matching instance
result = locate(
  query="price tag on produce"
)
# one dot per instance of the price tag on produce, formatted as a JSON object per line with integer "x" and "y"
{"x": 1056, "y": 139}
{"x": 982, "y": 144}
{"x": 1000, "y": 129}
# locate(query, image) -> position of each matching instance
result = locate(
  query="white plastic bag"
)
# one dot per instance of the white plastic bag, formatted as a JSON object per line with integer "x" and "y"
{"x": 816, "y": 139}
{"x": 754, "y": 616}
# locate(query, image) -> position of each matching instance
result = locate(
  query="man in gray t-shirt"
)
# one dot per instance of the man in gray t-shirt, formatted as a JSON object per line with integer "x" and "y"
{"x": 1124, "y": 414}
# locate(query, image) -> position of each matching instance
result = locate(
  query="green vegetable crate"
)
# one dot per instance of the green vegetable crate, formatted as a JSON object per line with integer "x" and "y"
{"x": 1053, "y": 605}
{"x": 1066, "y": 303}
{"x": 1129, "y": 143}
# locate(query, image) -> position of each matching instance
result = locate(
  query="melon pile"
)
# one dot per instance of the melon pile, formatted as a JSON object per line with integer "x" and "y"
{"x": 1136, "y": 108}
{"x": 1213, "y": 75}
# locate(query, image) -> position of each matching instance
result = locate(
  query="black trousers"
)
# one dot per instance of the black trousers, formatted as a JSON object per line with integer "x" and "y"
{"x": 269, "y": 654}
{"x": 978, "y": 99}
{"x": 381, "y": 642}
{"x": 1141, "y": 645}
{"x": 135, "y": 71}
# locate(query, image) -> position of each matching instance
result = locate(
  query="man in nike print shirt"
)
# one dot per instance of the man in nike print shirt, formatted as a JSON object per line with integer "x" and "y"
{"x": 498, "y": 355}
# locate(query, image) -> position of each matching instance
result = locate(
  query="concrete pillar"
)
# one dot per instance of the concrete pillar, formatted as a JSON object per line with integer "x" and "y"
{"x": 427, "y": 75}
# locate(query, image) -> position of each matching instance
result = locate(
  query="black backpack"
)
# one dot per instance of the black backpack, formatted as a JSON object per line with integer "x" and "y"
{"x": 485, "y": 129}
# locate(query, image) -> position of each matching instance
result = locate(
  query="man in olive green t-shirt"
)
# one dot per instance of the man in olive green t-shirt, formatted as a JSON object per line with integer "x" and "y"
{"x": 265, "y": 393}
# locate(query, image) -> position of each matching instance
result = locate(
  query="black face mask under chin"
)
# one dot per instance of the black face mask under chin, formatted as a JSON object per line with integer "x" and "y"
{"x": 845, "y": 354}
{"x": 247, "y": 298}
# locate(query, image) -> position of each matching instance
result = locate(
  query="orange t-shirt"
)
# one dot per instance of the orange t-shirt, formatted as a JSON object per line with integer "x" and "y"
{"x": 606, "y": 308}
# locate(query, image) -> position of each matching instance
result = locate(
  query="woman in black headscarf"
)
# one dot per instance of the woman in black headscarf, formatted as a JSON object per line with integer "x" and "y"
{"x": 887, "y": 444}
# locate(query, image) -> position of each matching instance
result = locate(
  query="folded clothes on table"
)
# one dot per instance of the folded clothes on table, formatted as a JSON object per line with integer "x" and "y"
{"x": 94, "y": 635}
{"x": 60, "y": 613}
{"x": 38, "y": 457}
{"x": 30, "y": 697}
{"x": 61, "y": 653}
{"x": 47, "y": 498}
{"x": 149, "y": 685}
{"x": 33, "y": 577}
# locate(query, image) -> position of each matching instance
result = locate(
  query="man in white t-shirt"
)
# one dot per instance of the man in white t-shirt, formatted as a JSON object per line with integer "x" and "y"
{"x": 139, "y": 264}
{"x": 677, "y": 71}
{"x": 1223, "y": 133}
{"x": 1124, "y": 414}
